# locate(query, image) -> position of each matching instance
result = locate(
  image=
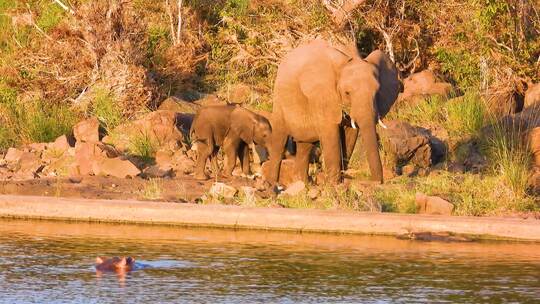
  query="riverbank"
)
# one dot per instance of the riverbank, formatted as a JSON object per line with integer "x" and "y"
{"x": 275, "y": 219}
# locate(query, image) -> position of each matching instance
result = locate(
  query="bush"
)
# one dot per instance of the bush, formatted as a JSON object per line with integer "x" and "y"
{"x": 105, "y": 108}
{"x": 143, "y": 146}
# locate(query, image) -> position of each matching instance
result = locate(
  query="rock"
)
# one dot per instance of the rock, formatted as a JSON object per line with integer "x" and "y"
{"x": 532, "y": 95}
{"x": 409, "y": 170}
{"x": 88, "y": 153}
{"x": 534, "y": 145}
{"x": 30, "y": 162}
{"x": 411, "y": 144}
{"x": 87, "y": 130}
{"x": 182, "y": 163}
{"x": 313, "y": 193}
{"x": 238, "y": 94}
{"x": 433, "y": 205}
{"x": 249, "y": 194}
{"x": 61, "y": 144}
{"x": 210, "y": 100}
{"x": 505, "y": 95}
{"x": 156, "y": 171}
{"x": 37, "y": 147}
{"x": 13, "y": 155}
{"x": 115, "y": 167}
{"x": 175, "y": 104}
{"x": 63, "y": 166}
{"x": 287, "y": 172}
{"x": 433, "y": 236}
{"x": 423, "y": 84}
{"x": 295, "y": 188}
{"x": 221, "y": 190}
{"x": 158, "y": 127}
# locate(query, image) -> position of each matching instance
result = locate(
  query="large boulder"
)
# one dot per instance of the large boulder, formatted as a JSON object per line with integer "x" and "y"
{"x": 87, "y": 130}
{"x": 411, "y": 144}
{"x": 178, "y": 105}
{"x": 87, "y": 154}
{"x": 532, "y": 95}
{"x": 210, "y": 100}
{"x": 238, "y": 93}
{"x": 424, "y": 84}
{"x": 115, "y": 167}
{"x": 158, "y": 127}
{"x": 433, "y": 205}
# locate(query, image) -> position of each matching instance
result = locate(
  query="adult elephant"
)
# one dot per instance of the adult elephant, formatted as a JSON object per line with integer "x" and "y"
{"x": 316, "y": 84}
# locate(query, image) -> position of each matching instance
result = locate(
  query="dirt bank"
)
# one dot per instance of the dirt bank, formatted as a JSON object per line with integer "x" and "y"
{"x": 262, "y": 218}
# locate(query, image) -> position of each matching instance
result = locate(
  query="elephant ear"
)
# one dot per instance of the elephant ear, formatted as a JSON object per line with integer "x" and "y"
{"x": 244, "y": 126}
{"x": 390, "y": 86}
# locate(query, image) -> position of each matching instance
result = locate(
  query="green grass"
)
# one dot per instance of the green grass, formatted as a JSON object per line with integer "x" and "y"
{"x": 143, "y": 146}
{"x": 105, "y": 108}
{"x": 32, "y": 121}
{"x": 50, "y": 15}
{"x": 465, "y": 116}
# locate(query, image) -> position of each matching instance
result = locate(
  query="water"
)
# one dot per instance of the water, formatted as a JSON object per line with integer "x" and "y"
{"x": 52, "y": 262}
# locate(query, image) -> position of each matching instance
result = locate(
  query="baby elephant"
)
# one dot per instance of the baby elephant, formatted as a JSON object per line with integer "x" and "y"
{"x": 231, "y": 127}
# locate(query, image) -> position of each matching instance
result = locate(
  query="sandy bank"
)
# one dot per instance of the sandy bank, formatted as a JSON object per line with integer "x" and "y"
{"x": 262, "y": 218}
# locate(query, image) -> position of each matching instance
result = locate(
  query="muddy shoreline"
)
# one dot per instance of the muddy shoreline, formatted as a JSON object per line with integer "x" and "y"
{"x": 270, "y": 219}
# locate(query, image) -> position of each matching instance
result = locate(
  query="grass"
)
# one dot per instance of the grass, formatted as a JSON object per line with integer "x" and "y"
{"x": 143, "y": 146}
{"x": 105, "y": 108}
{"x": 153, "y": 190}
{"x": 32, "y": 121}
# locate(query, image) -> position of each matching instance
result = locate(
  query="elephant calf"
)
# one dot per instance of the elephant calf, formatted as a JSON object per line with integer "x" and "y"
{"x": 232, "y": 127}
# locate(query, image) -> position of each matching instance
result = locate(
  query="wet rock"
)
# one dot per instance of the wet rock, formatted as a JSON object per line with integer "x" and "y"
{"x": 433, "y": 205}
{"x": 295, "y": 188}
{"x": 176, "y": 104}
{"x": 87, "y": 130}
{"x": 532, "y": 95}
{"x": 287, "y": 172}
{"x": 157, "y": 171}
{"x": 433, "y": 237}
{"x": 424, "y": 84}
{"x": 221, "y": 190}
{"x": 115, "y": 167}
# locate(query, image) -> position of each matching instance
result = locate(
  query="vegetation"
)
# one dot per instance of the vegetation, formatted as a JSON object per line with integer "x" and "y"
{"x": 143, "y": 146}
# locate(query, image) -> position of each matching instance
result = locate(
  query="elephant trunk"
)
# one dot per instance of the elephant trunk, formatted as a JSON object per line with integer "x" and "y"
{"x": 369, "y": 139}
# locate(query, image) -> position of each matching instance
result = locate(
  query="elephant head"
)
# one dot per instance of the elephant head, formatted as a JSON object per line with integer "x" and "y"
{"x": 251, "y": 127}
{"x": 368, "y": 88}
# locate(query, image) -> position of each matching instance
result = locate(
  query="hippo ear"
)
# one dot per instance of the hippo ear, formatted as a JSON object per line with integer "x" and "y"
{"x": 99, "y": 260}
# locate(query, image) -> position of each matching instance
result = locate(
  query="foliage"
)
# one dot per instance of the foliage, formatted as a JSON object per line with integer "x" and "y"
{"x": 143, "y": 146}
{"x": 105, "y": 108}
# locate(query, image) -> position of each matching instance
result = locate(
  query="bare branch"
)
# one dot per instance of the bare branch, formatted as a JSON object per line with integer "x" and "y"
{"x": 65, "y": 7}
{"x": 179, "y": 26}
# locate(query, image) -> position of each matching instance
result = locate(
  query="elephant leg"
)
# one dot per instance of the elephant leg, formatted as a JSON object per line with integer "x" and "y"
{"x": 243, "y": 153}
{"x": 230, "y": 149}
{"x": 350, "y": 135}
{"x": 301, "y": 160}
{"x": 331, "y": 152}
{"x": 203, "y": 152}
{"x": 275, "y": 150}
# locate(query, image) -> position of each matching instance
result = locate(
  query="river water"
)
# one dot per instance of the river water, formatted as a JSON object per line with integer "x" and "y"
{"x": 52, "y": 262}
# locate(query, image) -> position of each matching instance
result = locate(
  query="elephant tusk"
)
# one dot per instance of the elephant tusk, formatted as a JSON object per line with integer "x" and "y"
{"x": 353, "y": 124}
{"x": 382, "y": 124}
